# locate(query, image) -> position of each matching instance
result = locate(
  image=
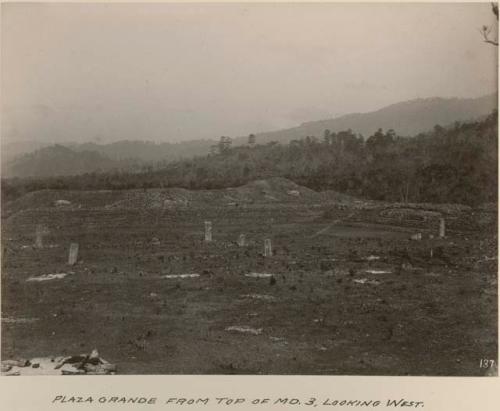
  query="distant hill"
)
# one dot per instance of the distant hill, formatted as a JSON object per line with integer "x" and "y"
{"x": 406, "y": 119}
{"x": 148, "y": 151}
{"x": 15, "y": 149}
{"x": 72, "y": 159}
{"x": 144, "y": 151}
{"x": 58, "y": 160}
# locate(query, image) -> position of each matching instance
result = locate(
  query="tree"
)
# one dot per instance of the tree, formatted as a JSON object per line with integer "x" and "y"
{"x": 486, "y": 30}
{"x": 214, "y": 148}
{"x": 224, "y": 144}
{"x": 251, "y": 140}
{"x": 326, "y": 137}
{"x": 379, "y": 142}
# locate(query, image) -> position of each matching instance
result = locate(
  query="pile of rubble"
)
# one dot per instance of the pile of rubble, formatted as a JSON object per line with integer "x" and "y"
{"x": 84, "y": 364}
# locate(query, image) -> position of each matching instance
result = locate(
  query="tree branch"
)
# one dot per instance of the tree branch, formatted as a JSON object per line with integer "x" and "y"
{"x": 491, "y": 42}
{"x": 485, "y": 31}
{"x": 494, "y": 9}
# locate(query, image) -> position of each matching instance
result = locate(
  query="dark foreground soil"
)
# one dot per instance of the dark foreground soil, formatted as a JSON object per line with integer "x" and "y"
{"x": 322, "y": 313}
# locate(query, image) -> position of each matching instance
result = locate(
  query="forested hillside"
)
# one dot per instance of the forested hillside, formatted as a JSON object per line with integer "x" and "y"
{"x": 457, "y": 164}
{"x": 148, "y": 151}
{"x": 406, "y": 118}
{"x": 58, "y": 160}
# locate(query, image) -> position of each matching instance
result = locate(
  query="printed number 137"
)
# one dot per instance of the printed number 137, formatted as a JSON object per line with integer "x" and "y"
{"x": 483, "y": 363}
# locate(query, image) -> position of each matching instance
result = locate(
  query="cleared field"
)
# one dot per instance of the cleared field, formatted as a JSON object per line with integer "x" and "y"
{"x": 350, "y": 293}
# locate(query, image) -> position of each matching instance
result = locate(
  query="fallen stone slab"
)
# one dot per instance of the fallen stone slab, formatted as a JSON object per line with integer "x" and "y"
{"x": 264, "y": 297}
{"x": 244, "y": 329}
{"x": 366, "y": 281}
{"x": 48, "y": 277}
{"x": 11, "y": 320}
{"x": 258, "y": 275}
{"x": 26, "y": 247}
{"x": 170, "y": 276}
{"x": 378, "y": 272}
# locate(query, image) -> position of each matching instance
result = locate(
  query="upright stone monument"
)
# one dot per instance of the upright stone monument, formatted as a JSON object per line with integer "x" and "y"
{"x": 40, "y": 231}
{"x": 242, "y": 241}
{"x": 442, "y": 228}
{"x": 38, "y": 239}
{"x": 73, "y": 253}
{"x": 208, "y": 231}
{"x": 268, "y": 252}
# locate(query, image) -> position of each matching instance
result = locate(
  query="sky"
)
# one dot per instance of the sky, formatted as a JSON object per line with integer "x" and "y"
{"x": 174, "y": 72}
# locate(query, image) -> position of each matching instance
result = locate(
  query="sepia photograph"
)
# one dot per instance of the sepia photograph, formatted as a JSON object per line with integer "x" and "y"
{"x": 305, "y": 189}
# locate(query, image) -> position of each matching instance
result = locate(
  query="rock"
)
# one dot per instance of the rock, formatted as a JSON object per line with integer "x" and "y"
{"x": 100, "y": 369}
{"x": 5, "y": 367}
{"x": 74, "y": 359}
{"x": 12, "y": 373}
{"x": 69, "y": 369}
{"x": 16, "y": 363}
{"x": 70, "y": 365}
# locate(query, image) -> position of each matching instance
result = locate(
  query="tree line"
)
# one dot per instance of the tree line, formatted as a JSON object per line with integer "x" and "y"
{"x": 456, "y": 164}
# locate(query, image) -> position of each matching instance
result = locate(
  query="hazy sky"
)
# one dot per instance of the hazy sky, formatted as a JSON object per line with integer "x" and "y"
{"x": 82, "y": 72}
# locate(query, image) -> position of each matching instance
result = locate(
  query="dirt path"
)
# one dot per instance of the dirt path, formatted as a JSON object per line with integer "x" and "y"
{"x": 335, "y": 222}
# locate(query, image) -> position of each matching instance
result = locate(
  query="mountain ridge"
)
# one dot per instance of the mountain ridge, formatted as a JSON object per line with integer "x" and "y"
{"x": 408, "y": 118}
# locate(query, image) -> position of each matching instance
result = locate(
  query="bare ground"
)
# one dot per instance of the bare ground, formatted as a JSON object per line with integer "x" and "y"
{"x": 324, "y": 312}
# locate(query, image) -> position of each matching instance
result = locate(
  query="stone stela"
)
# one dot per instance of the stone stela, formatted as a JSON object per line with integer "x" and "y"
{"x": 208, "y": 231}
{"x": 73, "y": 253}
{"x": 268, "y": 252}
{"x": 442, "y": 228}
{"x": 242, "y": 240}
{"x": 40, "y": 231}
